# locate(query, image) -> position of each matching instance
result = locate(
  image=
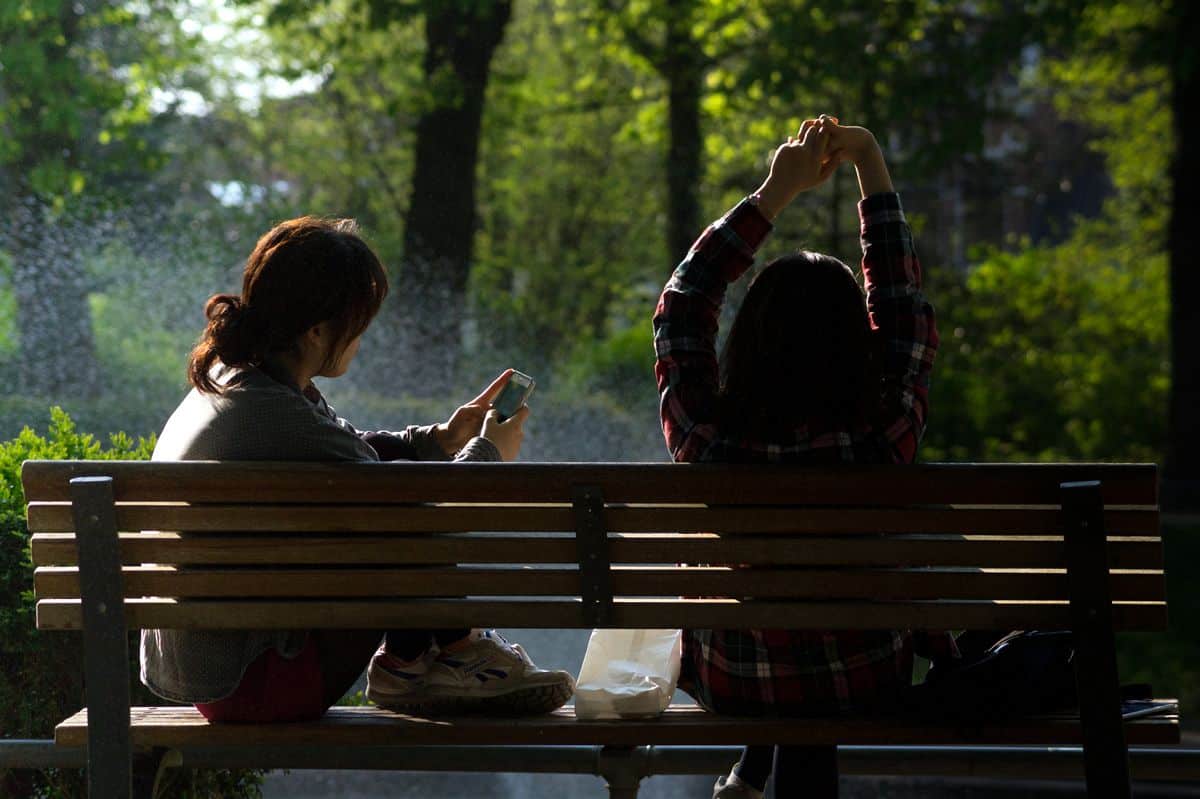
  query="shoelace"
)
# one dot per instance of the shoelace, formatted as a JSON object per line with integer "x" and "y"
{"x": 516, "y": 649}
{"x": 520, "y": 650}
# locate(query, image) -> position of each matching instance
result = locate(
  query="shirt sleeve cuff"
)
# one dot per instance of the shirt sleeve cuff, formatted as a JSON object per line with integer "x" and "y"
{"x": 426, "y": 444}
{"x": 478, "y": 449}
{"x": 748, "y": 222}
{"x": 880, "y": 208}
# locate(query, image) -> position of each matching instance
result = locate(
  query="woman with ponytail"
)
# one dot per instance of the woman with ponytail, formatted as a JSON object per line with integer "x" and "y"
{"x": 310, "y": 289}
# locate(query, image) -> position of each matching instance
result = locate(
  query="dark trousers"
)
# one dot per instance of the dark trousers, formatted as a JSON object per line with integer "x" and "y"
{"x": 343, "y": 654}
{"x": 799, "y": 770}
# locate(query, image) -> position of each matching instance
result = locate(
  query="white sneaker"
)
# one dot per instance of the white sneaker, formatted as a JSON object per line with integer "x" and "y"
{"x": 490, "y": 675}
{"x": 396, "y": 684}
{"x": 732, "y": 787}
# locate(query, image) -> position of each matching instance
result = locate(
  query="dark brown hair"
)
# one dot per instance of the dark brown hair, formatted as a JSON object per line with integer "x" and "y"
{"x": 800, "y": 350}
{"x": 302, "y": 272}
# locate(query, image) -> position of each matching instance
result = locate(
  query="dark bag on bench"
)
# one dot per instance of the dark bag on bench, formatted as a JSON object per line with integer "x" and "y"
{"x": 1022, "y": 674}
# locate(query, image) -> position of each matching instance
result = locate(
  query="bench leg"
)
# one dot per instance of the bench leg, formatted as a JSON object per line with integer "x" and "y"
{"x": 622, "y": 770}
{"x": 105, "y": 645}
{"x": 1105, "y": 754}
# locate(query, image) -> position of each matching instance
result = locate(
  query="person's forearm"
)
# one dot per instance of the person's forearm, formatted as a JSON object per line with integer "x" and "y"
{"x": 411, "y": 444}
{"x": 773, "y": 198}
{"x": 873, "y": 177}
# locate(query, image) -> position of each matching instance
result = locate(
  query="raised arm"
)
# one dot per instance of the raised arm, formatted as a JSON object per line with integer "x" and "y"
{"x": 685, "y": 328}
{"x": 902, "y": 320}
{"x": 685, "y": 321}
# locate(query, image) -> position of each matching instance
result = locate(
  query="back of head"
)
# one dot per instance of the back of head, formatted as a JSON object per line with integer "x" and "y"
{"x": 302, "y": 272}
{"x": 799, "y": 352}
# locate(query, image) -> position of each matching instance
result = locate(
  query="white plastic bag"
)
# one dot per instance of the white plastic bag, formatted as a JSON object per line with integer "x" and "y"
{"x": 628, "y": 674}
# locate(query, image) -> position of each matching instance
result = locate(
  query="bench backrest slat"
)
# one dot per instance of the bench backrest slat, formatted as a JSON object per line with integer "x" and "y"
{"x": 56, "y": 517}
{"x": 925, "y": 484}
{"x": 903, "y": 550}
{"x": 61, "y": 582}
{"x": 939, "y": 546}
{"x": 551, "y": 614}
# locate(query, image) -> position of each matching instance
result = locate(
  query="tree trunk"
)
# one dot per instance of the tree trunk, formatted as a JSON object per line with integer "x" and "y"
{"x": 1183, "y": 446}
{"x": 683, "y": 68}
{"x": 461, "y": 38}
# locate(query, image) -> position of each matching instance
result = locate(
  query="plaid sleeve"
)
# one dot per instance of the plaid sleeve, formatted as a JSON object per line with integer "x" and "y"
{"x": 902, "y": 321}
{"x": 685, "y": 327}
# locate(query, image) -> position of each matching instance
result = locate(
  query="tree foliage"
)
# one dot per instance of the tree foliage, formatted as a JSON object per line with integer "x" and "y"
{"x": 41, "y": 674}
{"x": 1061, "y": 351}
{"x": 77, "y": 85}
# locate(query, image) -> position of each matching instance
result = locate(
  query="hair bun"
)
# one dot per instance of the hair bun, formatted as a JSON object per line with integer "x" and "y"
{"x": 227, "y": 329}
{"x": 224, "y": 306}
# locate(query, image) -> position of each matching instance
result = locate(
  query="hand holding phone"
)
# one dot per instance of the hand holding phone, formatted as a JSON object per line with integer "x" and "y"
{"x": 514, "y": 394}
{"x": 468, "y": 420}
{"x": 506, "y": 435}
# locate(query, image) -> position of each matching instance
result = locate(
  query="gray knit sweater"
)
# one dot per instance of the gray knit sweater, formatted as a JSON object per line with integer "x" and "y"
{"x": 259, "y": 418}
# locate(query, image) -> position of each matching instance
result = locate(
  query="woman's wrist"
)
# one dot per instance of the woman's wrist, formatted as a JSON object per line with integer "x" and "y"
{"x": 771, "y": 199}
{"x": 441, "y": 434}
{"x": 865, "y": 147}
{"x": 873, "y": 177}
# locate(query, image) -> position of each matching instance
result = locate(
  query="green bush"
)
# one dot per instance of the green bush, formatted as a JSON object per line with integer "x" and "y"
{"x": 41, "y": 673}
{"x": 1054, "y": 353}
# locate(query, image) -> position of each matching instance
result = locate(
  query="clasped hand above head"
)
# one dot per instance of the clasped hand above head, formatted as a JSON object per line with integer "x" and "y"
{"x": 478, "y": 418}
{"x": 807, "y": 159}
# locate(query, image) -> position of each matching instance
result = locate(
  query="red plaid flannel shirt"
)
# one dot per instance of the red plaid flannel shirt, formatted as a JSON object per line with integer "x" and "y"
{"x": 789, "y": 671}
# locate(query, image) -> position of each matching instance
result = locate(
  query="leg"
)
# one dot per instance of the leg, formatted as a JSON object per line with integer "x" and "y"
{"x": 809, "y": 771}
{"x": 973, "y": 643}
{"x": 408, "y": 644}
{"x": 443, "y": 638}
{"x": 344, "y": 654}
{"x": 755, "y": 767}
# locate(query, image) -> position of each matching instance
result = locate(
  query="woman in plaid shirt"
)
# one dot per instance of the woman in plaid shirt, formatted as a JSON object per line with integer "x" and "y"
{"x": 812, "y": 372}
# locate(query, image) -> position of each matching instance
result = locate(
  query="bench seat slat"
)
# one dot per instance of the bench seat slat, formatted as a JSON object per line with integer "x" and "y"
{"x": 269, "y": 482}
{"x": 56, "y": 517}
{"x": 53, "y": 582}
{"x": 680, "y": 725}
{"x": 64, "y": 614}
{"x": 1126, "y": 552}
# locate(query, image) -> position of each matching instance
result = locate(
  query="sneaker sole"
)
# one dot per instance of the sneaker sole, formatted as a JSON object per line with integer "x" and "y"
{"x": 387, "y": 699}
{"x": 530, "y": 701}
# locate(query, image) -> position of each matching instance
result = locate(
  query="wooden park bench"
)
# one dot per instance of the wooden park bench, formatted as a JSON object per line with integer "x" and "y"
{"x": 123, "y": 546}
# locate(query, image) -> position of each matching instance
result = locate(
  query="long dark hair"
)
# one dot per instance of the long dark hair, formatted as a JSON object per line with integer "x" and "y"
{"x": 800, "y": 351}
{"x": 302, "y": 272}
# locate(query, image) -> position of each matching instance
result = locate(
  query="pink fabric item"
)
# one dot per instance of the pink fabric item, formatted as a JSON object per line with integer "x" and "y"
{"x": 274, "y": 688}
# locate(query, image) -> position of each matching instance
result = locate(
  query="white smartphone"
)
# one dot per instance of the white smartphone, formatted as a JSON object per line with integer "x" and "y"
{"x": 515, "y": 393}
